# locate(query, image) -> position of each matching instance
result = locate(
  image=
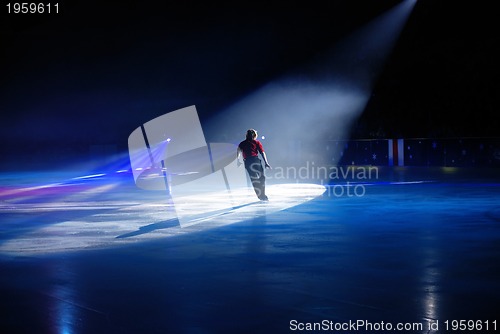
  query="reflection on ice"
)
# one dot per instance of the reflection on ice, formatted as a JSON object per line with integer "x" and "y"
{"x": 87, "y": 223}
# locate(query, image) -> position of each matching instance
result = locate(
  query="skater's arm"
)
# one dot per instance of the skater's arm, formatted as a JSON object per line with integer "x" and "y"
{"x": 265, "y": 159}
{"x": 238, "y": 151}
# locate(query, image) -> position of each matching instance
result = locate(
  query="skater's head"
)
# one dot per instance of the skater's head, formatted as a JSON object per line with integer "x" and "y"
{"x": 251, "y": 134}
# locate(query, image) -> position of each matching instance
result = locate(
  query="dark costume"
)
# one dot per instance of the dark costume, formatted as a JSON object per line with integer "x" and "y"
{"x": 251, "y": 149}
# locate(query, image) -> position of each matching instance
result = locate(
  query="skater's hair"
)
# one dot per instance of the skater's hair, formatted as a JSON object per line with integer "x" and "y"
{"x": 251, "y": 134}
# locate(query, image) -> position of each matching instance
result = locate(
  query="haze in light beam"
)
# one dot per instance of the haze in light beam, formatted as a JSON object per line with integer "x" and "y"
{"x": 320, "y": 101}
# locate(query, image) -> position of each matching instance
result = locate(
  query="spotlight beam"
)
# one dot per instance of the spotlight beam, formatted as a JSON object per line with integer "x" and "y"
{"x": 324, "y": 99}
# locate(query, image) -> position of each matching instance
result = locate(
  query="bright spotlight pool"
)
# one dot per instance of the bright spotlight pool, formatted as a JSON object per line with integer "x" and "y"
{"x": 86, "y": 213}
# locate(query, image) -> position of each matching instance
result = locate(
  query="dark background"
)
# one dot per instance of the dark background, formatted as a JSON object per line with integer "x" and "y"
{"x": 88, "y": 76}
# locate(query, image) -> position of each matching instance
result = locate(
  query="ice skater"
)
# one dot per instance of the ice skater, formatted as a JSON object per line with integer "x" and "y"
{"x": 250, "y": 148}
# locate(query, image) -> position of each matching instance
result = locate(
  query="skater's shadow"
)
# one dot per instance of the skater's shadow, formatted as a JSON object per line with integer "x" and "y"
{"x": 174, "y": 222}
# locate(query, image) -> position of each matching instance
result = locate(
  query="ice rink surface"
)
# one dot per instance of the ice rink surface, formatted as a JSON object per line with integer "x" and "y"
{"x": 94, "y": 254}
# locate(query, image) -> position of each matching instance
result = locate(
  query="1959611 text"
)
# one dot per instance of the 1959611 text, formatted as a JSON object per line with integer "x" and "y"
{"x": 32, "y": 8}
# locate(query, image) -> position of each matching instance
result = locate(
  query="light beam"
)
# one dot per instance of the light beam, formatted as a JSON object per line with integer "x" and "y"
{"x": 321, "y": 101}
